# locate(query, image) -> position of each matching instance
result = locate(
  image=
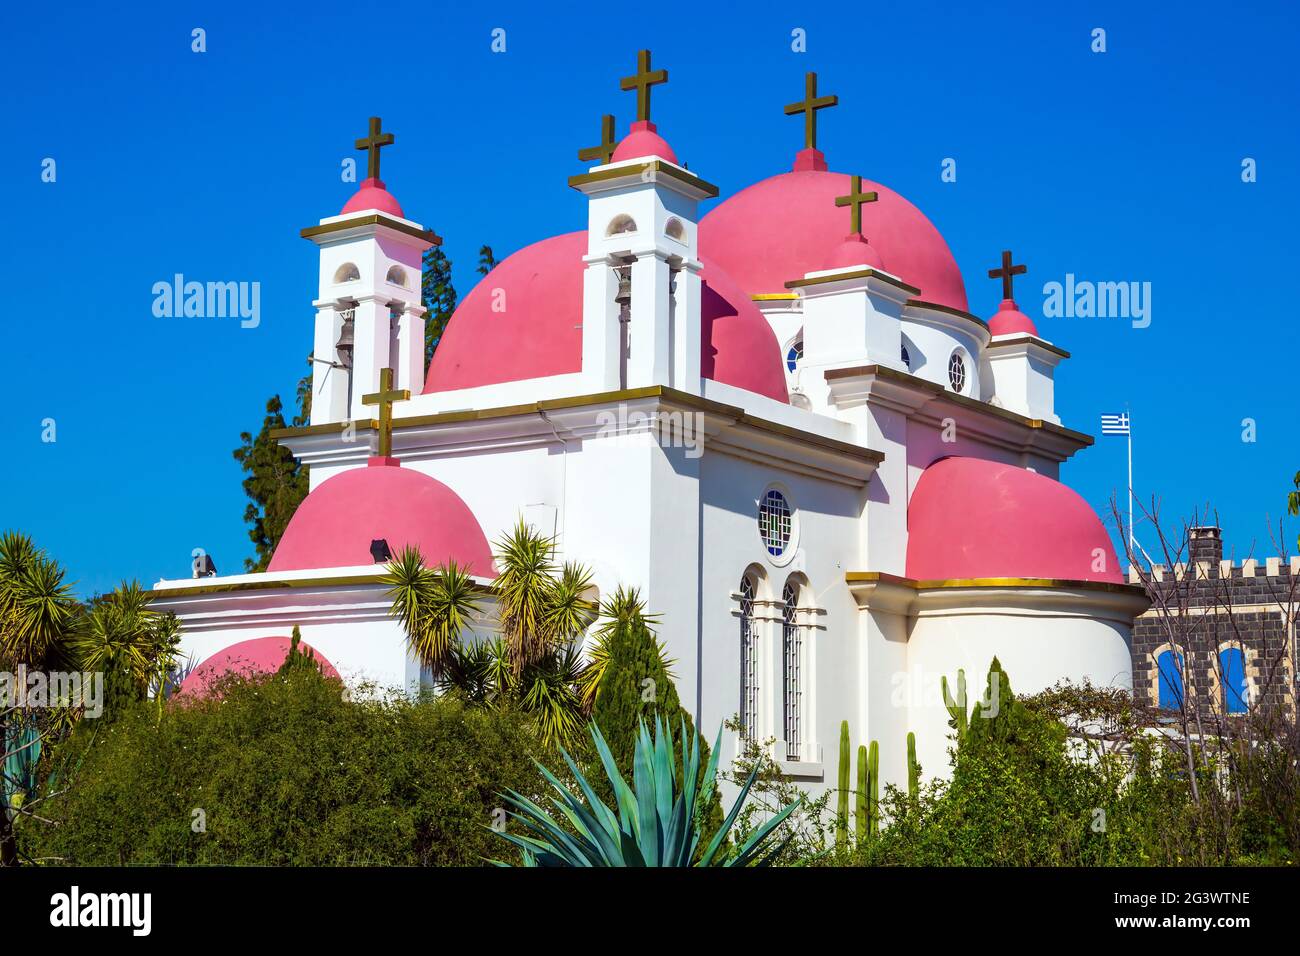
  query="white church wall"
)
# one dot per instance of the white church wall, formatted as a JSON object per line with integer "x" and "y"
{"x": 1039, "y": 638}
{"x": 824, "y": 543}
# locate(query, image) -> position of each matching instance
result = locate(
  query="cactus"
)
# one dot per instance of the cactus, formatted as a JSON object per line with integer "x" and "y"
{"x": 842, "y": 806}
{"x": 913, "y": 768}
{"x": 860, "y": 803}
{"x": 873, "y": 791}
{"x": 956, "y": 708}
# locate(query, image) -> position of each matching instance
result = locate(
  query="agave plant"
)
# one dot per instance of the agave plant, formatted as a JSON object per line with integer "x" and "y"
{"x": 653, "y": 826}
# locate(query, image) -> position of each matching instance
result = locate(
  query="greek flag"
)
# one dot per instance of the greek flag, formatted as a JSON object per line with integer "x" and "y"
{"x": 1114, "y": 424}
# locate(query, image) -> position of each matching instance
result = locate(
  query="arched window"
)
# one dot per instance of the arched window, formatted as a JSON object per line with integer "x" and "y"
{"x": 1232, "y": 668}
{"x": 792, "y": 661}
{"x": 748, "y": 660}
{"x": 907, "y": 359}
{"x": 397, "y": 276}
{"x": 794, "y": 354}
{"x": 1170, "y": 667}
{"x": 347, "y": 272}
{"x": 675, "y": 230}
{"x": 620, "y": 224}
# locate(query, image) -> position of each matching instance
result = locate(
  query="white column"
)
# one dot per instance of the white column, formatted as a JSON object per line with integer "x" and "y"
{"x": 600, "y": 334}
{"x": 371, "y": 351}
{"x": 648, "y": 359}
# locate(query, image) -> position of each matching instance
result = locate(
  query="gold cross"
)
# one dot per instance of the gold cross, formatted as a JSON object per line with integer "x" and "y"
{"x": 384, "y": 398}
{"x": 374, "y": 142}
{"x": 607, "y": 143}
{"x": 857, "y": 199}
{"x": 1006, "y": 272}
{"x": 809, "y": 106}
{"x": 641, "y": 81}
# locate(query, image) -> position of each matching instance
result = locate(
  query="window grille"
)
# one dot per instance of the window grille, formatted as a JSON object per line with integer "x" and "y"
{"x": 792, "y": 654}
{"x": 748, "y": 660}
{"x": 774, "y": 522}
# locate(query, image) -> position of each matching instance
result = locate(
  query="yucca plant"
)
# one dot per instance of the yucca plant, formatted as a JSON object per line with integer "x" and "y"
{"x": 654, "y": 825}
{"x": 434, "y": 606}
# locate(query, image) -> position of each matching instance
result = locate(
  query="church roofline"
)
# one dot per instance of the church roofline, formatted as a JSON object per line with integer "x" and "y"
{"x": 373, "y": 219}
{"x": 669, "y": 395}
{"x": 637, "y": 171}
{"x": 882, "y": 577}
{"x": 939, "y": 392}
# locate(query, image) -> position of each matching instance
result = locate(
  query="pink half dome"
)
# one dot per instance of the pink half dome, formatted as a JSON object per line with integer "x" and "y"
{"x": 1009, "y": 320}
{"x": 261, "y": 655}
{"x": 539, "y": 331}
{"x": 854, "y": 251}
{"x": 643, "y": 141}
{"x": 334, "y": 525}
{"x": 781, "y": 228}
{"x": 971, "y": 518}
{"x": 373, "y": 195}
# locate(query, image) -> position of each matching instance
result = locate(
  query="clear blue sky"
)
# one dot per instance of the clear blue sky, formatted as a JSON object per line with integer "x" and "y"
{"x": 1117, "y": 166}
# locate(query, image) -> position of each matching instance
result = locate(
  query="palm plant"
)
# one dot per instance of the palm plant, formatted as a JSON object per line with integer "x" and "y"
{"x": 543, "y": 612}
{"x": 37, "y": 609}
{"x": 653, "y": 826}
{"x": 122, "y": 636}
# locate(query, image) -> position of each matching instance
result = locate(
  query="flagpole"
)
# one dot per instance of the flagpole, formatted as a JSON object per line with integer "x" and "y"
{"x": 1130, "y": 483}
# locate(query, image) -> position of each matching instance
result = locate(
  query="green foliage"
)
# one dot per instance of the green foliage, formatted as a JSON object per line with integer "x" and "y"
{"x": 913, "y": 768}
{"x": 956, "y": 706}
{"x": 288, "y": 772}
{"x": 486, "y": 260}
{"x": 438, "y": 295}
{"x": 37, "y": 610}
{"x": 657, "y": 821}
{"x": 275, "y": 484}
{"x": 842, "y": 799}
{"x": 297, "y": 659}
{"x": 635, "y": 686}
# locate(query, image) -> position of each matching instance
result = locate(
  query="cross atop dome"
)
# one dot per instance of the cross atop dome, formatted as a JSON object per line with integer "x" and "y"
{"x": 810, "y": 157}
{"x": 856, "y": 199}
{"x": 1009, "y": 319}
{"x": 605, "y": 149}
{"x": 642, "y": 81}
{"x": 642, "y": 140}
{"x": 1007, "y": 273}
{"x": 373, "y": 143}
{"x": 384, "y": 398}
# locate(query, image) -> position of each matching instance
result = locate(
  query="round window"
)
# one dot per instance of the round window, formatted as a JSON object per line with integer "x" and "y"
{"x": 957, "y": 371}
{"x": 794, "y": 354}
{"x": 774, "y": 522}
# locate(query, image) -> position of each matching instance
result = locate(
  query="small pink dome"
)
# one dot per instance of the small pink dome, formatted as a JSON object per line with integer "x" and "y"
{"x": 643, "y": 141}
{"x": 971, "y": 518}
{"x": 373, "y": 195}
{"x": 334, "y": 525}
{"x": 539, "y": 331}
{"x": 854, "y": 251}
{"x": 781, "y": 228}
{"x": 1009, "y": 319}
{"x": 261, "y": 655}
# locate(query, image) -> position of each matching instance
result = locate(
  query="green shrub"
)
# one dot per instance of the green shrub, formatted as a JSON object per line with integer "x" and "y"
{"x": 283, "y": 770}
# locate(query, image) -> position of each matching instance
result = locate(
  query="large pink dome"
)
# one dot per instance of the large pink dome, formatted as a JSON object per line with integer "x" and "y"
{"x": 783, "y": 227}
{"x": 334, "y": 525}
{"x": 261, "y": 655}
{"x": 971, "y": 518}
{"x": 524, "y": 320}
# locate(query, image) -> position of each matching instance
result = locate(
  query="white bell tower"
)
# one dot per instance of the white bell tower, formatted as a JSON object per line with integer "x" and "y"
{"x": 641, "y": 289}
{"x": 368, "y": 311}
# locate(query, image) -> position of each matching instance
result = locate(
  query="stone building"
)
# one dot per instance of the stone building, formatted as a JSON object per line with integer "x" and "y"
{"x": 1220, "y": 632}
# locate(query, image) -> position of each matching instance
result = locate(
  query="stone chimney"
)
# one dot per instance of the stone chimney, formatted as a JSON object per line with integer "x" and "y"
{"x": 1205, "y": 544}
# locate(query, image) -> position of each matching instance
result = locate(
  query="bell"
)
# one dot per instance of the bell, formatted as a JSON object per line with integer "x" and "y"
{"x": 345, "y": 343}
{"x": 624, "y": 294}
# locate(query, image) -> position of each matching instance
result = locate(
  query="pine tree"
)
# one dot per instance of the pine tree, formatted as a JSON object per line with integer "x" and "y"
{"x": 276, "y": 484}
{"x": 438, "y": 295}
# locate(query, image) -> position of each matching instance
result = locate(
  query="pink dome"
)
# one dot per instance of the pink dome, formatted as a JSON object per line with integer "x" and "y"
{"x": 1009, "y": 319}
{"x": 334, "y": 525}
{"x": 781, "y": 228}
{"x": 971, "y": 518}
{"x": 538, "y": 332}
{"x": 643, "y": 141}
{"x": 261, "y": 655}
{"x": 854, "y": 251}
{"x": 373, "y": 195}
